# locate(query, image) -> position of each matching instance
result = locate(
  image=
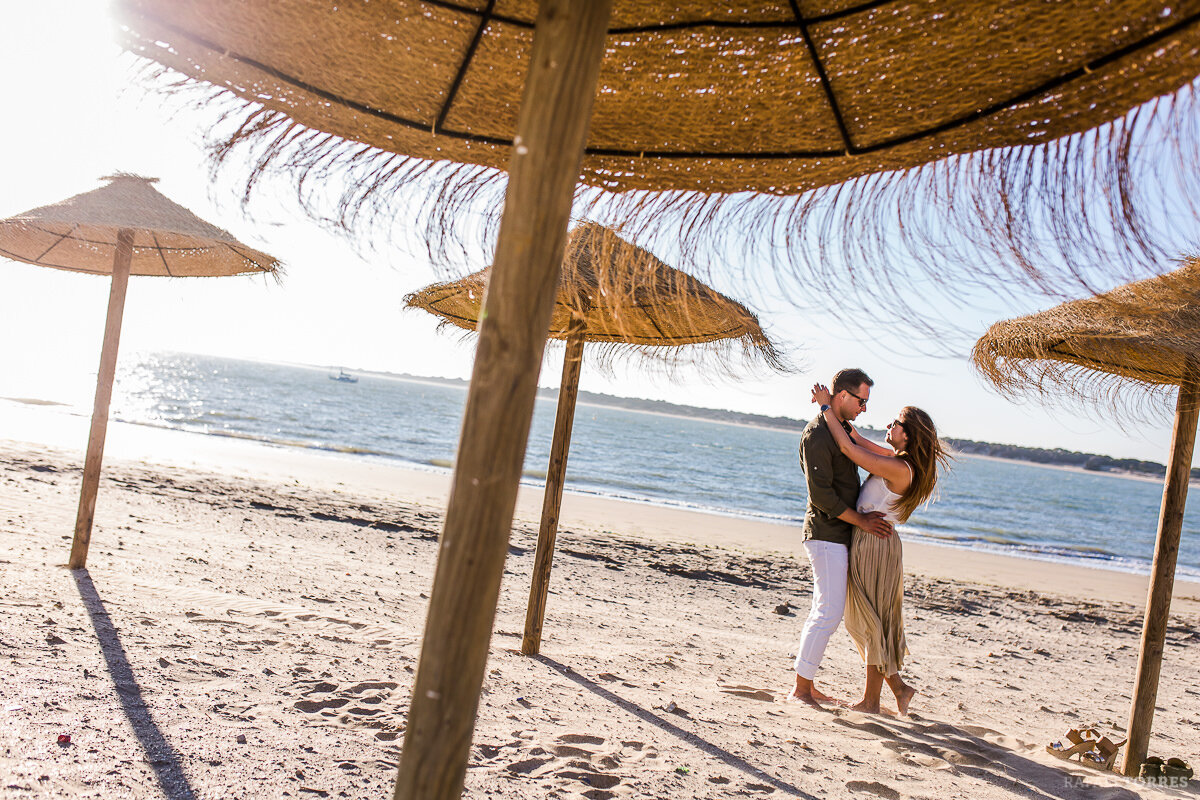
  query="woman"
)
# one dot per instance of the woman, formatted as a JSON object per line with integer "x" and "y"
{"x": 901, "y": 479}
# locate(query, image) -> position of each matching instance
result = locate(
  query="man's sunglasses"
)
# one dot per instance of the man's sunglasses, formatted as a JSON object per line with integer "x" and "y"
{"x": 861, "y": 403}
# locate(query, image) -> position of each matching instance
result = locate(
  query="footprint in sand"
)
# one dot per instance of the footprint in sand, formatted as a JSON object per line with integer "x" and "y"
{"x": 759, "y": 787}
{"x": 596, "y": 779}
{"x": 961, "y": 754}
{"x": 578, "y": 758}
{"x": 875, "y": 788}
{"x": 361, "y": 705}
{"x": 568, "y": 751}
{"x": 748, "y": 692}
{"x": 581, "y": 738}
{"x": 528, "y": 766}
{"x": 868, "y": 727}
{"x": 316, "y": 706}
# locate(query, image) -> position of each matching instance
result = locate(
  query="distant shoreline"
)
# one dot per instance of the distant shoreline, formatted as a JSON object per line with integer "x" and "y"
{"x": 1058, "y": 458}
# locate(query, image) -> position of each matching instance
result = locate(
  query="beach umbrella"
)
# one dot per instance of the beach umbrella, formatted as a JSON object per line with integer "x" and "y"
{"x": 1137, "y": 341}
{"x": 707, "y": 100}
{"x": 610, "y": 293}
{"x": 124, "y": 228}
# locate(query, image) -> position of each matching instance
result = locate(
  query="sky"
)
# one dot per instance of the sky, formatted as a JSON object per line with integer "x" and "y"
{"x": 75, "y": 111}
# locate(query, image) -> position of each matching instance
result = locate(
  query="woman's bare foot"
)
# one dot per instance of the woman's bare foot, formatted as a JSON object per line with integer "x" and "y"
{"x": 866, "y": 707}
{"x": 904, "y": 698}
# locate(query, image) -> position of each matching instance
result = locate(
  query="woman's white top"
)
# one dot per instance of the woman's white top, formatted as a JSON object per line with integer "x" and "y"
{"x": 876, "y": 496}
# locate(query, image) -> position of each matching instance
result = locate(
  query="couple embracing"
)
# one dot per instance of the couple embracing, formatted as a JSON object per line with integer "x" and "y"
{"x": 850, "y": 535}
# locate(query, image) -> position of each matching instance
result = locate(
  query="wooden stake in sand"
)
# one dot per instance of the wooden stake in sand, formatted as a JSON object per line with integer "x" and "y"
{"x": 1162, "y": 574}
{"x": 556, "y": 473}
{"x": 551, "y": 129}
{"x": 104, "y": 385}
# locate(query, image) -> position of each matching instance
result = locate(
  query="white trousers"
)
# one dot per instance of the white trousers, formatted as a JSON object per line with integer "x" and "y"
{"x": 830, "y": 566}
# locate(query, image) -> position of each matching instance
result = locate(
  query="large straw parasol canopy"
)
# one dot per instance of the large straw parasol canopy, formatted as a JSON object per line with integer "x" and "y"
{"x": 617, "y": 294}
{"x": 80, "y": 234}
{"x": 773, "y": 133}
{"x": 775, "y": 97}
{"x": 1144, "y": 334}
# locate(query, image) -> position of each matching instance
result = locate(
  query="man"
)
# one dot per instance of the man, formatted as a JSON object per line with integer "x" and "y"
{"x": 829, "y": 521}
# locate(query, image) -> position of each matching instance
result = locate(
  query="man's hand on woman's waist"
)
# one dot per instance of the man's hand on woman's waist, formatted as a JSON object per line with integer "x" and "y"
{"x": 874, "y": 523}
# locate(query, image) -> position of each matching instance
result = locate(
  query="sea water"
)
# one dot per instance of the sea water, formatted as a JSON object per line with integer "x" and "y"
{"x": 1099, "y": 519}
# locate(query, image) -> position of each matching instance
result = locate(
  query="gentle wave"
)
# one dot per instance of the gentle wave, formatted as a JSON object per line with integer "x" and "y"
{"x": 276, "y": 441}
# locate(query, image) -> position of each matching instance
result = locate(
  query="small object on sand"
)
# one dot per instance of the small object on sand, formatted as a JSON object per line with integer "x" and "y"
{"x": 1152, "y": 768}
{"x": 241, "y": 738}
{"x": 1077, "y": 740}
{"x": 783, "y": 610}
{"x": 682, "y": 770}
{"x": 1104, "y": 756}
{"x": 670, "y": 707}
{"x": 64, "y": 738}
{"x": 1177, "y": 768}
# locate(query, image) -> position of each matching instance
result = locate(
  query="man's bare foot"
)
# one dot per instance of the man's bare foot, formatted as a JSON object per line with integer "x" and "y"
{"x": 904, "y": 698}
{"x": 803, "y": 697}
{"x": 822, "y": 697}
{"x": 806, "y": 692}
{"x": 866, "y": 707}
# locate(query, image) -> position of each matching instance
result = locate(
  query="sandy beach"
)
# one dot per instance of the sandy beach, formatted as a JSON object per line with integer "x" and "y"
{"x": 250, "y": 622}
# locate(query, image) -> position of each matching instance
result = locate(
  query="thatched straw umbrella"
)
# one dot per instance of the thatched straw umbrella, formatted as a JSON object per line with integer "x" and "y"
{"x": 705, "y": 100}
{"x": 614, "y": 294}
{"x": 122, "y": 229}
{"x": 1129, "y": 342}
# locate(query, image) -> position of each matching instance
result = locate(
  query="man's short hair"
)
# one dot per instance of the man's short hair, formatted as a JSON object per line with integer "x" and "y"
{"x": 847, "y": 380}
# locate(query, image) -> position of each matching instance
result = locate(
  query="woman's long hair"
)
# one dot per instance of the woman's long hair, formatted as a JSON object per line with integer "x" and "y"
{"x": 925, "y": 454}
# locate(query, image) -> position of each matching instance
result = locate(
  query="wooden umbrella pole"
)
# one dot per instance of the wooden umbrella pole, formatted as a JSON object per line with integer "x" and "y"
{"x": 1162, "y": 574}
{"x": 104, "y": 385}
{"x": 548, "y": 150}
{"x": 568, "y": 391}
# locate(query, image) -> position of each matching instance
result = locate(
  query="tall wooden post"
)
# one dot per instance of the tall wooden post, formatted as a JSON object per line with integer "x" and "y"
{"x": 104, "y": 384}
{"x": 1162, "y": 574}
{"x": 568, "y": 391}
{"x": 548, "y": 149}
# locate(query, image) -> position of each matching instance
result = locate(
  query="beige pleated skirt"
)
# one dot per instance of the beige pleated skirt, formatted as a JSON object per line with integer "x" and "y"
{"x": 875, "y": 600}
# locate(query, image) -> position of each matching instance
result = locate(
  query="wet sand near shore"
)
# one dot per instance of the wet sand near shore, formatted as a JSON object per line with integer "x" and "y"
{"x": 252, "y": 631}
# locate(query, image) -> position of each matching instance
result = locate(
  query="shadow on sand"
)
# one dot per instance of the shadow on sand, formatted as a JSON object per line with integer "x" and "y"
{"x": 704, "y": 745}
{"x": 963, "y": 748}
{"x": 970, "y": 754}
{"x": 162, "y": 757}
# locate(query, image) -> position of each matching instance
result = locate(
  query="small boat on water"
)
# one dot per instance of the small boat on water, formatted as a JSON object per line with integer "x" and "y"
{"x": 344, "y": 377}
